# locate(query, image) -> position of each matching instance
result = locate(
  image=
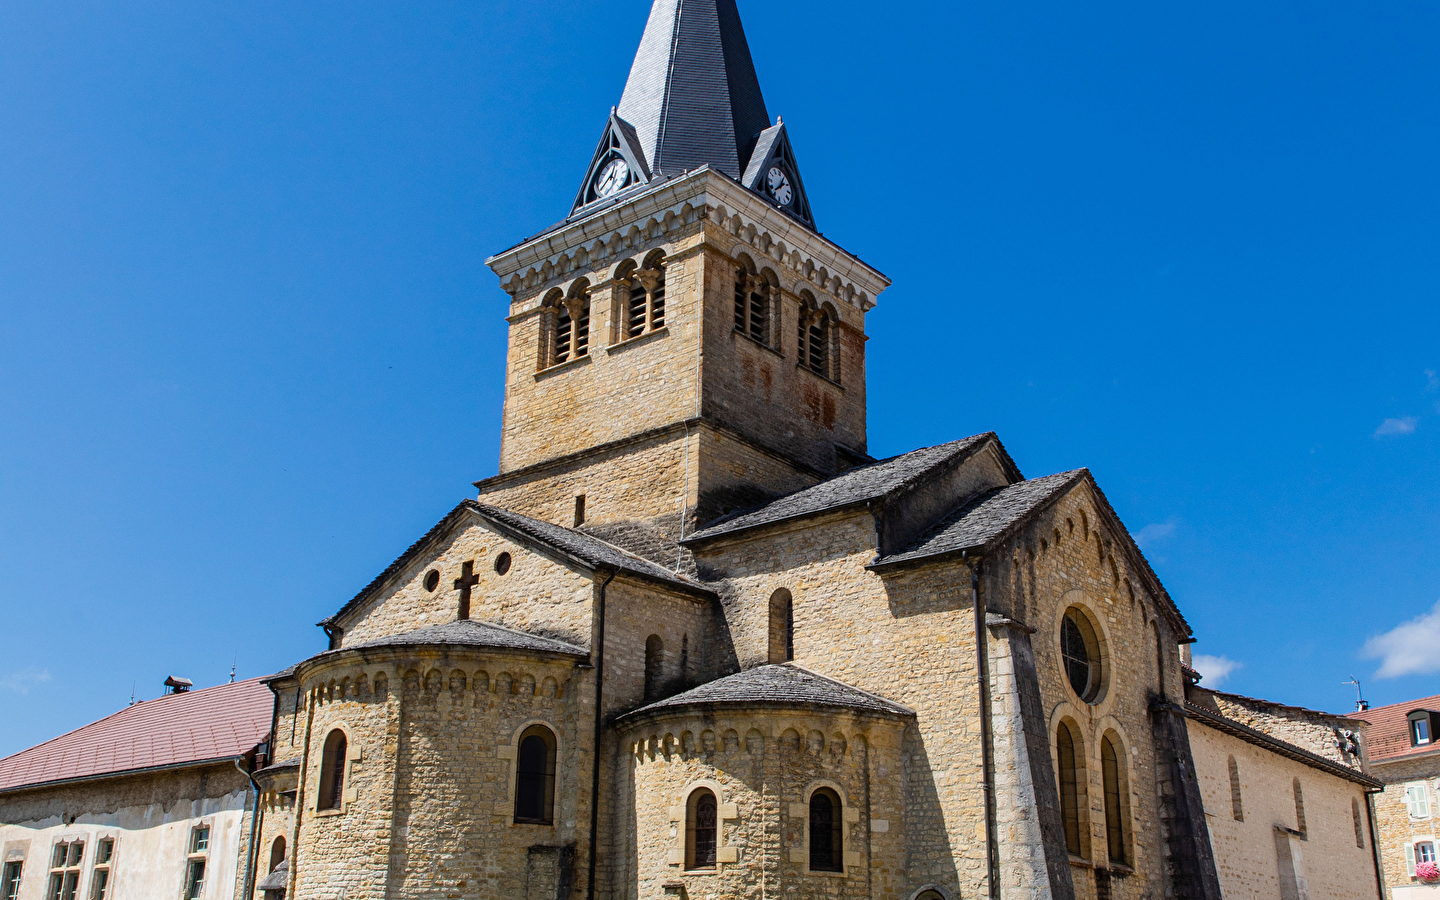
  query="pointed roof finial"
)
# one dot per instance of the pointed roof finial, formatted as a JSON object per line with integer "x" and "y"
{"x": 779, "y": 120}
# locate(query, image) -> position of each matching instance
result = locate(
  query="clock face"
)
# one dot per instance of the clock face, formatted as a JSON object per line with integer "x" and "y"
{"x": 779, "y": 186}
{"x": 611, "y": 178}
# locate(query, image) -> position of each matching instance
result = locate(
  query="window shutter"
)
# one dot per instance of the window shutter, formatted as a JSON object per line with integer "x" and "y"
{"x": 1434, "y": 803}
{"x": 1410, "y": 859}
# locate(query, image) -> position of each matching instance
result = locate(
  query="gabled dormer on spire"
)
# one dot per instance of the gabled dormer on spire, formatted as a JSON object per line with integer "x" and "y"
{"x": 618, "y": 164}
{"x": 692, "y": 100}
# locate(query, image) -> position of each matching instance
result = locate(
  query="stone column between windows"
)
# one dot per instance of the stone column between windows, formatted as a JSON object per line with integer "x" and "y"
{"x": 650, "y": 280}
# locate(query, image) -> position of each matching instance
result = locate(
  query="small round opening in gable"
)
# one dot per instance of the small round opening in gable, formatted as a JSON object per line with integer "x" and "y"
{"x": 432, "y": 579}
{"x": 1080, "y": 654}
{"x": 502, "y": 563}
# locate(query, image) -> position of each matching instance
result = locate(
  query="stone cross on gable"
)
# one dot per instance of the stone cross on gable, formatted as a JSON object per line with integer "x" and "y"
{"x": 463, "y": 584}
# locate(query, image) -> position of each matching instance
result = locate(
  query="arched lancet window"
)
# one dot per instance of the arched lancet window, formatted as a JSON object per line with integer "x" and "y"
{"x": 782, "y": 627}
{"x": 1359, "y": 828}
{"x": 570, "y": 329}
{"x": 332, "y": 771}
{"x": 701, "y": 829}
{"x": 1237, "y": 808}
{"x": 277, "y": 854}
{"x": 1112, "y": 768}
{"x": 753, "y": 304}
{"x": 826, "y": 818}
{"x": 1065, "y": 759}
{"x": 1299, "y": 809}
{"x": 654, "y": 666}
{"x": 535, "y": 776}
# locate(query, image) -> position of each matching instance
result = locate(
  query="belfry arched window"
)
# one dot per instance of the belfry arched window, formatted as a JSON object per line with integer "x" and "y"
{"x": 702, "y": 829}
{"x": 565, "y": 325}
{"x": 535, "y": 776}
{"x": 782, "y": 627}
{"x": 817, "y": 345}
{"x": 332, "y": 771}
{"x": 826, "y": 820}
{"x": 754, "y": 304}
{"x": 640, "y": 297}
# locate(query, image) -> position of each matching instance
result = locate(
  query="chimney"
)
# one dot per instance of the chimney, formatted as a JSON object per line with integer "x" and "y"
{"x": 175, "y": 685}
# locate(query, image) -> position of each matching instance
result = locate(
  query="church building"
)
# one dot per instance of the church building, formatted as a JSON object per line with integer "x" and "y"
{"x": 693, "y": 641}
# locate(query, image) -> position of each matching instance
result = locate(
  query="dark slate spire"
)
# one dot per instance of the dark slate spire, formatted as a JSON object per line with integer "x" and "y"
{"x": 693, "y": 100}
{"x": 692, "y": 94}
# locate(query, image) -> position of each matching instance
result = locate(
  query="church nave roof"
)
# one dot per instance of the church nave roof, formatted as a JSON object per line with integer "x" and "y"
{"x": 784, "y": 684}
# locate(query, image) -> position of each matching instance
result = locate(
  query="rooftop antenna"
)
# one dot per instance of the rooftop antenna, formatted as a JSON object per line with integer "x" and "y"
{"x": 1361, "y": 704}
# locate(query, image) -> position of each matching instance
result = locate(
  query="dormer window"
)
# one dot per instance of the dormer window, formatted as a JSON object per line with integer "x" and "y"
{"x": 1422, "y": 728}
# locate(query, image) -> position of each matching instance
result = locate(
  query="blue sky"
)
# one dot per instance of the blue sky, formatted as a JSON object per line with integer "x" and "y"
{"x": 249, "y": 349}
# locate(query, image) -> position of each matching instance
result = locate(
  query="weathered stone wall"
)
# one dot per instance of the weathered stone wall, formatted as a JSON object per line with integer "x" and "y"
{"x": 151, "y": 819}
{"x": 1305, "y": 728}
{"x": 537, "y": 594}
{"x": 1396, "y": 826}
{"x": 733, "y": 473}
{"x": 762, "y": 765}
{"x": 1330, "y": 860}
{"x": 429, "y": 796}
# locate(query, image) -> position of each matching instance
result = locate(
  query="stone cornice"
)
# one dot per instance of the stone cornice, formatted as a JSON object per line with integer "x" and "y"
{"x": 704, "y": 194}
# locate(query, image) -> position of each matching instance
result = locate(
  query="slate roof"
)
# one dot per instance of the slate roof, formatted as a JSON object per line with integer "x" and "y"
{"x": 859, "y": 485}
{"x": 197, "y": 726}
{"x": 693, "y": 95}
{"x": 1388, "y": 736}
{"x": 588, "y": 551}
{"x": 785, "y": 684}
{"x": 985, "y": 519}
{"x": 469, "y": 633}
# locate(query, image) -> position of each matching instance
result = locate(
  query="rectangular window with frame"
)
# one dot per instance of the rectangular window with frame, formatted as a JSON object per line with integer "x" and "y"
{"x": 1417, "y": 800}
{"x": 200, "y": 839}
{"x": 65, "y": 870}
{"x": 10, "y": 886}
{"x": 100, "y": 877}
{"x": 195, "y": 879}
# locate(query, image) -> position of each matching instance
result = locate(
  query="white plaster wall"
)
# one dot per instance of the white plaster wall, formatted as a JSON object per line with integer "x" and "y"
{"x": 151, "y": 848}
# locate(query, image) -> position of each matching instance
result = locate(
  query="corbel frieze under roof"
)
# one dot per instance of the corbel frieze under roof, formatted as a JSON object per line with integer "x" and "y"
{"x": 678, "y": 204}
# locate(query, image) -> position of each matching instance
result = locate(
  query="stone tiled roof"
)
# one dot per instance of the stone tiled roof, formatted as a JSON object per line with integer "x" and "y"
{"x": 590, "y": 552}
{"x": 1269, "y": 742}
{"x": 986, "y": 518}
{"x": 469, "y": 633}
{"x": 214, "y": 723}
{"x": 785, "y": 684}
{"x": 863, "y": 483}
{"x": 1388, "y": 736}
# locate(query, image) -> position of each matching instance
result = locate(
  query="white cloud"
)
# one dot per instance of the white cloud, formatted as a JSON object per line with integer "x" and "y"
{"x": 1154, "y": 533}
{"x": 1214, "y": 669}
{"x": 1432, "y": 380}
{"x": 1412, "y": 648}
{"x": 1391, "y": 427}
{"x": 22, "y": 681}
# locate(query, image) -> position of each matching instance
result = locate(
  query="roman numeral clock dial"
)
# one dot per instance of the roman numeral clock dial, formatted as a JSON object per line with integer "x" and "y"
{"x": 611, "y": 178}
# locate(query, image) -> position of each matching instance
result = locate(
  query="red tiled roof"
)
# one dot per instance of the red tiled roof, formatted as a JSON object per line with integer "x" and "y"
{"x": 1388, "y": 736}
{"x": 212, "y": 723}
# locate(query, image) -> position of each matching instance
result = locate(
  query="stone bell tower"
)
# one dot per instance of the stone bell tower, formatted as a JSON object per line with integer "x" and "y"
{"x": 685, "y": 342}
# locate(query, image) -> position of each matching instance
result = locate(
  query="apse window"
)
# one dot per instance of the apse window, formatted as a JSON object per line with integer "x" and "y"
{"x": 826, "y": 852}
{"x": 701, "y": 830}
{"x": 1080, "y": 652}
{"x": 332, "y": 771}
{"x": 535, "y": 777}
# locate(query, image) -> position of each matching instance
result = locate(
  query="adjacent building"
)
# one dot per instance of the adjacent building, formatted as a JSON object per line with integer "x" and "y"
{"x": 1403, "y": 754}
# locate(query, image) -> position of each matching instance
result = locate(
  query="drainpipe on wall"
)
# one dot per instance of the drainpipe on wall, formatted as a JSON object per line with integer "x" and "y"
{"x": 599, "y": 655}
{"x": 254, "y": 824}
{"x": 982, "y": 662}
{"x": 1374, "y": 847}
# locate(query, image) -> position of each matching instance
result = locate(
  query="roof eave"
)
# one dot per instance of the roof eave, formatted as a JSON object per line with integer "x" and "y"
{"x": 131, "y": 773}
{"x": 1261, "y": 739}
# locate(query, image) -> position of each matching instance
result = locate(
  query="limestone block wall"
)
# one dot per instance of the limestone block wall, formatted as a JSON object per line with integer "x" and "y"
{"x": 762, "y": 764}
{"x": 1333, "y": 861}
{"x": 150, "y": 818}
{"x": 1395, "y": 823}
{"x": 689, "y": 628}
{"x": 537, "y": 593}
{"x": 621, "y": 387}
{"x": 1312, "y": 730}
{"x": 429, "y": 796}
{"x": 276, "y": 823}
{"x": 1067, "y": 557}
{"x": 908, "y": 637}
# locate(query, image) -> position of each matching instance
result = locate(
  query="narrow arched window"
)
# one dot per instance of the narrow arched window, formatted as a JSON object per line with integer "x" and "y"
{"x": 1110, "y": 763}
{"x": 647, "y": 306}
{"x": 1069, "y": 788}
{"x": 818, "y": 338}
{"x": 332, "y": 771}
{"x": 635, "y": 309}
{"x": 701, "y": 830}
{"x": 782, "y": 627}
{"x": 752, "y": 305}
{"x": 654, "y": 666}
{"x": 1359, "y": 828}
{"x": 1237, "y": 809}
{"x": 535, "y": 777}
{"x": 572, "y": 324}
{"x": 1299, "y": 810}
{"x": 277, "y": 854}
{"x": 826, "y": 853}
